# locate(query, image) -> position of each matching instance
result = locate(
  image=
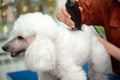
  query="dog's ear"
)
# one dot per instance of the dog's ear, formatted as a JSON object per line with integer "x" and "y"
{"x": 41, "y": 54}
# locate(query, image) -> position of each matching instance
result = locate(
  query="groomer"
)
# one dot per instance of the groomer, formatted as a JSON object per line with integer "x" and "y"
{"x": 105, "y": 13}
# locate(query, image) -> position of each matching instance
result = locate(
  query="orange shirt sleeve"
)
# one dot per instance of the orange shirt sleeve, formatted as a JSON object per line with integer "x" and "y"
{"x": 94, "y": 11}
{"x": 87, "y": 12}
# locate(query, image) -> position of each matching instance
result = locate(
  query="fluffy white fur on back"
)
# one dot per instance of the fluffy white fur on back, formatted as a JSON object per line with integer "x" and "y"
{"x": 58, "y": 53}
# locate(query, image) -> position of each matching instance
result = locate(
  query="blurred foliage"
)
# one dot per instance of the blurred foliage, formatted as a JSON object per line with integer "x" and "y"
{"x": 51, "y": 4}
{"x": 25, "y": 6}
{"x": 22, "y": 7}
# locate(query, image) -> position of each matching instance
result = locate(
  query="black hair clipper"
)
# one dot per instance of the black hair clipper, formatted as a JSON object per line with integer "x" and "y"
{"x": 73, "y": 10}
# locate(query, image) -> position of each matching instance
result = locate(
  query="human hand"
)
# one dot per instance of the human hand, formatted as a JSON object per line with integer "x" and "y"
{"x": 65, "y": 17}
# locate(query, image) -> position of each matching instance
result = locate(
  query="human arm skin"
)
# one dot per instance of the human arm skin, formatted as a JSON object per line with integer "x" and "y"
{"x": 112, "y": 50}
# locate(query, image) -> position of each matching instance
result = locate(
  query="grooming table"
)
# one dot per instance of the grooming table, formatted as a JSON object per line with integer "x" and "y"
{"x": 23, "y": 75}
{"x": 29, "y": 75}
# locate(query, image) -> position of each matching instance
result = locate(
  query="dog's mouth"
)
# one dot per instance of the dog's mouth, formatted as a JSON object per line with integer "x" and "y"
{"x": 17, "y": 53}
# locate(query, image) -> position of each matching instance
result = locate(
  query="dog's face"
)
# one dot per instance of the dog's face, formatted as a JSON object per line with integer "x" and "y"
{"x": 25, "y": 26}
{"x": 18, "y": 45}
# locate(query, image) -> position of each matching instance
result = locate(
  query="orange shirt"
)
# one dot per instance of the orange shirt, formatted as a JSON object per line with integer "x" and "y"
{"x": 105, "y": 13}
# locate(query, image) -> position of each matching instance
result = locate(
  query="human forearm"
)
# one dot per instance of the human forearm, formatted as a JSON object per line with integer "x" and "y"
{"x": 112, "y": 50}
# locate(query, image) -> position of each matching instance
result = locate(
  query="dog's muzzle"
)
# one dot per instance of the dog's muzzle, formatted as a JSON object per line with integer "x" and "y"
{"x": 13, "y": 53}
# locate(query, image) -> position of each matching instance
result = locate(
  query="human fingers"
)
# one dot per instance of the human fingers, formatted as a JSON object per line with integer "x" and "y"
{"x": 65, "y": 17}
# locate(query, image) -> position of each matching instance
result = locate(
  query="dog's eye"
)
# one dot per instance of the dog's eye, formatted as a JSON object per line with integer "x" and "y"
{"x": 20, "y": 37}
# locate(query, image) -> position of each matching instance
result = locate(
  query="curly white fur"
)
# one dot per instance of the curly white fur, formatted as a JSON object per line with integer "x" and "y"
{"x": 59, "y": 53}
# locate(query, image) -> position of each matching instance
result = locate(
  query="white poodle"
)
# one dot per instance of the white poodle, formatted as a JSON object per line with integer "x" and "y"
{"x": 57, "y": 53}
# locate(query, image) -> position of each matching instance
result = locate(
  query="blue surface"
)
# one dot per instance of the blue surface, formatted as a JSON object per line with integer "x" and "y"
{"x": 23, "y": 75}
{"x": 29, "y": 75}
{"x": 111, "y": 75}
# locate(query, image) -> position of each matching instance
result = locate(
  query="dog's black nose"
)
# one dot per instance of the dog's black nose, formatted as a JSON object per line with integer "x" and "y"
{"x": 5, "y": 48}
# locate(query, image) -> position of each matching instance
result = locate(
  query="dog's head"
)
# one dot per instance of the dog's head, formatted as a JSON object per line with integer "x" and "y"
{"x": 25, "y": 29}
{"x": 31, "y": 35}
